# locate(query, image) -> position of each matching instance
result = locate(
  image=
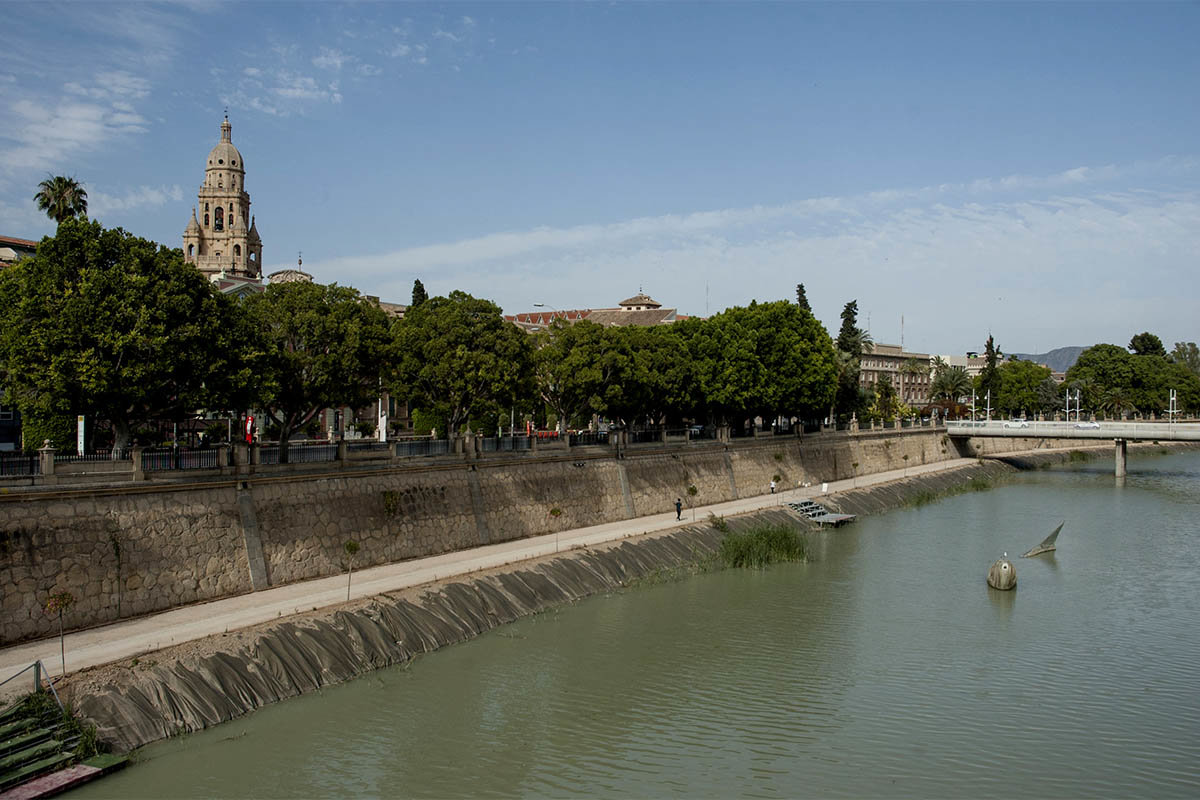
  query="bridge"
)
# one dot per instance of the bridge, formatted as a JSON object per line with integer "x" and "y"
{"x": 1119, "y": 432}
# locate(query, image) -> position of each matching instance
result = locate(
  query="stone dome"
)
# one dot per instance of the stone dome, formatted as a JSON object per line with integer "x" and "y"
{"x": 225, "y": 155}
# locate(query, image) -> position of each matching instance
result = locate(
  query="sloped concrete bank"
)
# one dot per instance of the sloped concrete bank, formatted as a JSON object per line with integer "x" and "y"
{"x": 203, "y": 683}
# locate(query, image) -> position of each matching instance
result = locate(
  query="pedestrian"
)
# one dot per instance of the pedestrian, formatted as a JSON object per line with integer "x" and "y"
{"x": 678, "y": 508}
{"x": 772, "y": 486}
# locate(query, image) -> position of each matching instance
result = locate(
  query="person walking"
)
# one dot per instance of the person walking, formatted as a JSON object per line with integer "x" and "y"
{"x": 678, "y": 508}
{"x": 772, "y": 486}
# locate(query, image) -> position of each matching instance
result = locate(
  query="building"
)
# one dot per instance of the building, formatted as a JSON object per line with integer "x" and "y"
{"x": 221, "y": 239}
{"x": 641, "y": 310}
{"x": 909, "y": 373}
{"x": 13, "y": 250}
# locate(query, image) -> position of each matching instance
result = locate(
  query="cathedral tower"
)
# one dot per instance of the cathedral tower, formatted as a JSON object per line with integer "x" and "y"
{"x": 221, "y": 238}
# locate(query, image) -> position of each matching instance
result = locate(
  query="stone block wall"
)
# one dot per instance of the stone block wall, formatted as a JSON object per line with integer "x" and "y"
{"x": 174, "y": 548}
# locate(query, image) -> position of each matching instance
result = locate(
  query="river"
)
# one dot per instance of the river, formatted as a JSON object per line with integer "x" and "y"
{"x": 885, "y": 666}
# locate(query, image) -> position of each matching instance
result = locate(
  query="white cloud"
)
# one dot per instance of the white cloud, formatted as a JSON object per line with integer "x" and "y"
{"x": 330, "y": 59}
{"x": 101, "y": 204}
{"x": 1040, "y": 270}
{"x": 46, "y": 135}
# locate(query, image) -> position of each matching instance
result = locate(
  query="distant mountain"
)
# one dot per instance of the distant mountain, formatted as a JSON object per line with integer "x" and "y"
{"x": 1060, "y": 359}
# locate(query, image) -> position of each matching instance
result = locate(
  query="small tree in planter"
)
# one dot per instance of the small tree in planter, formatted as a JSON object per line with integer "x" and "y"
{"x": 351, "y": 548}
{"x": 692, "y": 491}
{"x": 58, "y": 603}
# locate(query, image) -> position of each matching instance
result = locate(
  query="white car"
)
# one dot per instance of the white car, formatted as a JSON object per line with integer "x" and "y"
{"x": 1016, "y": 423}
{"x": 1088, "y": 425}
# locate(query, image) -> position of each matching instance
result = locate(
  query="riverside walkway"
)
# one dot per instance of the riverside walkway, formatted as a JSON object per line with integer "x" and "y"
{"x": 134, "y": 637}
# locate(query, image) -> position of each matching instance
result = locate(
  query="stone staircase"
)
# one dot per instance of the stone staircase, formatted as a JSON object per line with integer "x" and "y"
{"x": 34, "y": 740}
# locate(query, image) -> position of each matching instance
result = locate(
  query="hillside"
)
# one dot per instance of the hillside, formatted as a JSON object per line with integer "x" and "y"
{"x": 1059, "y": 359}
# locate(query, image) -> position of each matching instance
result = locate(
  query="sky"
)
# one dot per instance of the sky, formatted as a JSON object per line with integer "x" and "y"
{"x": 1028, "y": 170}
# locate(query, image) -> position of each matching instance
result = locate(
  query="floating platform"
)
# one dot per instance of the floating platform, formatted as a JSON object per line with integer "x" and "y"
{"x": 815, "y": 512}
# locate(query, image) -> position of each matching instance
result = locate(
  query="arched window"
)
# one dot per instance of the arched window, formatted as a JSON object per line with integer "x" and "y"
{"x": 219, "y": 219}
{"x": 191, "y": 250}
{"x": 206, "y": 208}
{"x": 237, "y": 251}
{"x": 253, "y": 256}
{"x": 206, "y": 220}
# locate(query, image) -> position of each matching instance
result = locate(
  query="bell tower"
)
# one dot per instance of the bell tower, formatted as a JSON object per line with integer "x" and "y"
{"x": 221, "y": 238}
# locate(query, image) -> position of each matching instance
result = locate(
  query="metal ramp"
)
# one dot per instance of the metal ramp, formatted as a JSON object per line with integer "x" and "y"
{"x": 817, "y": 513}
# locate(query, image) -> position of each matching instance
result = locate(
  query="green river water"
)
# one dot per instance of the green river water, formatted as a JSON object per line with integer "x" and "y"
{"x": 884, "y": 667}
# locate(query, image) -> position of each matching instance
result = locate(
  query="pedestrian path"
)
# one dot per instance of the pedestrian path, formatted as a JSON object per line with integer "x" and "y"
{"x": 132, "y": 637}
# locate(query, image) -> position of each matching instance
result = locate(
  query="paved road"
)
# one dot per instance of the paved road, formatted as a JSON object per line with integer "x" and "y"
{"x": 132, "y": 637}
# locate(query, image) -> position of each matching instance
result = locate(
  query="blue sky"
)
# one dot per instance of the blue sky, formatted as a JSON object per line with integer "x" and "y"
{"x": 1031, "y": 170}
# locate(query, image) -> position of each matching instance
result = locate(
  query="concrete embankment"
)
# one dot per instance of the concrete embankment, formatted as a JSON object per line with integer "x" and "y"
{"x": 213, "y": 680}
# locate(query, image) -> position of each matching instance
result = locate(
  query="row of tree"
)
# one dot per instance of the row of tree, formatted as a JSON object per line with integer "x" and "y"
{"x": 1106, "y": 379}
{"x": 102, "y": 323}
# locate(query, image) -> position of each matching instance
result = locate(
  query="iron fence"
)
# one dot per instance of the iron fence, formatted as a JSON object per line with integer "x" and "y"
{"x": 645, "y": 436}
{"x": 122, "y": 454}
{"x": 13, "y": 464}
{"x": 584, "y": 438}
{"x": 423, "y": 447}
{"x": 504, "y": 444}
{"x": 367, "y": 446}
{"x": 298, "y": 453}
{"x": 164, "y": 458}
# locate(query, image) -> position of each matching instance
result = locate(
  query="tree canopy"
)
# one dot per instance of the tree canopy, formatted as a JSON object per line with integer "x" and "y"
{"x": 1147, "y": 344}
{"x": 322, "y": 347}
{"x": 1113, "y": 380}
{"x": 459, "y": 357}
{"x": 103, "y": 323}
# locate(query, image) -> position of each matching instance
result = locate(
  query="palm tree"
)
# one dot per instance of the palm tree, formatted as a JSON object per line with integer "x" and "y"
{"x": 951, "y": 384}
{"x": 61, "y": 198}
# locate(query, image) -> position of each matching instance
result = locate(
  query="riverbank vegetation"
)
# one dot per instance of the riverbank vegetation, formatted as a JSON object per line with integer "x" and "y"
{"x": 761, "y": 546}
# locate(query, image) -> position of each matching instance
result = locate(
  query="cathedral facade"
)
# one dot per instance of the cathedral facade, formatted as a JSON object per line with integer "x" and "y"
{"x": 221, "y": 239}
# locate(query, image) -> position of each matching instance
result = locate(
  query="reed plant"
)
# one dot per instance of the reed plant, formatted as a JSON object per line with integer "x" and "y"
{"x": 762, "y": 545}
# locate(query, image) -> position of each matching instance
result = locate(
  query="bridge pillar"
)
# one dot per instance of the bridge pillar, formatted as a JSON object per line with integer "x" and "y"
{"x": 1120, "y": 457}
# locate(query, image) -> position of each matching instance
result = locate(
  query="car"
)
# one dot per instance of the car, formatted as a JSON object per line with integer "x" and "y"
{"x": 1089, "y": 425}
{"x": 1016, "y": 423}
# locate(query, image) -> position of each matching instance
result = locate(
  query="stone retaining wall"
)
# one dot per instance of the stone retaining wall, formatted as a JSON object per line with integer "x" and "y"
{"x": 131, "y": 550}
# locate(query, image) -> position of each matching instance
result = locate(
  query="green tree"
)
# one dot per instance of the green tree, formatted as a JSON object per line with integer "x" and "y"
{"x": 419, "y": 295}
{"x": 61, "y": 198}
{"x": 1187, "y": 354}
{"x": 852, "y": 342}
{"x": 1147, "y": 344}
{"x": 323, "y": 347}
{"x": 1019, "y": 385}
{"x": 100, "y": 322}
{"x": 886, "y": 404}
{"x": 575, "y": 368}
{"x": 458, "y": 357}
{"x": 802, "y": 298}
{"x": 951, "y": 384}
{"x": 769, "y": 359}
{"x": 987, "y": 385}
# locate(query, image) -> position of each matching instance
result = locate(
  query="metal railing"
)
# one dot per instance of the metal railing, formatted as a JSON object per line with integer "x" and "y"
{"x": 95, "y": 457}
{"x": 166, "y": 458}
{"x": 585, "y": 438}
{"x": 367, "y": 446}
{"x": 422, "y": 447}
{"x": 39, "y": 669}
{"x": 16, "y": 464}
{"x": 298, "y": 453}
{"x": 1151, "y": 431}
{"x": 504, "y": 444}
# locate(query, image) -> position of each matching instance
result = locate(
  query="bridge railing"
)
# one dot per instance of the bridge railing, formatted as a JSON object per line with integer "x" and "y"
{"x": 1144, "y": 431}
